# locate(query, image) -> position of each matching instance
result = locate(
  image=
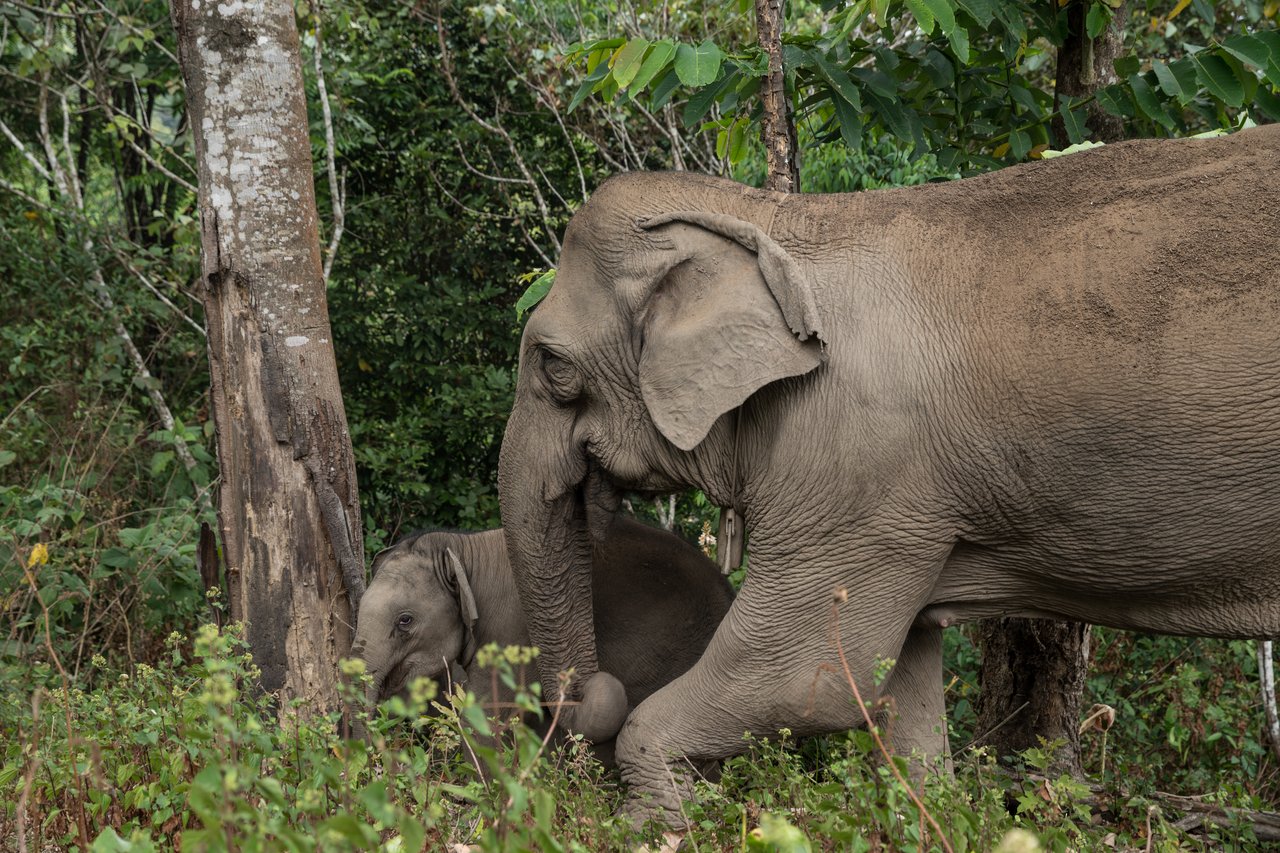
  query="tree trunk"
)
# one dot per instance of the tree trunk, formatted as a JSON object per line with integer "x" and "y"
{"x": 1086, "y": 65}
{"x": 1033, "y": 670}
{"x": 1030, "y": 683}
{"x": 288, "y": 508}
{"x": 777, "y": 130}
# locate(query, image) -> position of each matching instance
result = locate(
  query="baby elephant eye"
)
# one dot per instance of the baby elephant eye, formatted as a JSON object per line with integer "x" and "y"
{"x": 404, "y": 621}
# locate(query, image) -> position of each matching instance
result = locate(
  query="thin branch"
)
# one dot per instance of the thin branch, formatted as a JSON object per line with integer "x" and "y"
{"x": 146, "y": 282}
{"x": 474, "y": 211}
{"x": 337, "y": 188}
{"x": 497, "y": 179}
{"x": 22, "y": 149}
{"x": 135, "y": 31}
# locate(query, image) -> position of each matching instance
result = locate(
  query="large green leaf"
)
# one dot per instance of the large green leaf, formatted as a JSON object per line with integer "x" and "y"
{"x": 981, "y": 11}
{"x": 1268, "y": 103}
{"x": 1073, "y": 121}
{"x": 838, "y": 79}
{"x": 1148, "y": 103}
{"x": 1115, "y": 99}
{"x": 959, "y": 39}
{"x": 850, "y": 120}
{"x": 627, "y": 62}
{"x": 1217, "y": 77}
{"x": 1097, "y": 20}
{"x": 944, "y": 13}
{"x": 534, "y": 293}
{"x": 660, "y": 53}
{"x": 1169, "y": 83}
{"x": 1248, "y": 49}
{"x": 589, "y": 84}
{"x": 923, "y": 14}
{"x": 700, "y": 104}
{"x": 700, "y": 65}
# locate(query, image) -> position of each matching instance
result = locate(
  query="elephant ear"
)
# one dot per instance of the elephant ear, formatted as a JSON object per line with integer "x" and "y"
{"x": 727, "y": 319}
{"x": 466, "y": 604}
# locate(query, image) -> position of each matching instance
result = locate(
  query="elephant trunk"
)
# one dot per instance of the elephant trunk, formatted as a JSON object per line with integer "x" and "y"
{"x": 375, "y": 669}
{"x": 545, "y": 517}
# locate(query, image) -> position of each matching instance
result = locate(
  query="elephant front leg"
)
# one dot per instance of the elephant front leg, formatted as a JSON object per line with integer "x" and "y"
{"x": 764, "y": 671}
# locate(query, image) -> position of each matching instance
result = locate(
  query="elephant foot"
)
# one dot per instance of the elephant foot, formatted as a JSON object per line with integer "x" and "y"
{"x": 670, "y": 842}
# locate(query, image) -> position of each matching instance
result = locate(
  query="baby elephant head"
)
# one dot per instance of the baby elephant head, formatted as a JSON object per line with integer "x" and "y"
{"x": 417, "y": 618}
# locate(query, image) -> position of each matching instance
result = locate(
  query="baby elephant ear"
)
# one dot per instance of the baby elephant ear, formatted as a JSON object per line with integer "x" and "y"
{"x": 733, "y": 313}
{"x": 466, "y": 604}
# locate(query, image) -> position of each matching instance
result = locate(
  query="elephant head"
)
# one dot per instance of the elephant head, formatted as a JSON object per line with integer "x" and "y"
{"x": 669, "y": 310}
{"x": 417, "y": 618}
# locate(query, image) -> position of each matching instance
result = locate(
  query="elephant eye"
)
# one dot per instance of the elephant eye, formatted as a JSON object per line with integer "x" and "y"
{"x": 563, "y": 379}
{"x": 404, "y": 621}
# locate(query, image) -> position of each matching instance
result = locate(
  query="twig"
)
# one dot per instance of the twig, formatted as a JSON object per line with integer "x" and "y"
{"x": 980, "y": 738}
{"x": 842, "y": 595}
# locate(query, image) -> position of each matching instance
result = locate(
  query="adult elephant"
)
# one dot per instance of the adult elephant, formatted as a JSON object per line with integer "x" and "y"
{"x": 1051, "y": 391}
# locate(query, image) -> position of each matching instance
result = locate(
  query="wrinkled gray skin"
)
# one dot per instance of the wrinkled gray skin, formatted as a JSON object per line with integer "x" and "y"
{"x": 438, "y": 596}
{"x": 1052, "y": 391}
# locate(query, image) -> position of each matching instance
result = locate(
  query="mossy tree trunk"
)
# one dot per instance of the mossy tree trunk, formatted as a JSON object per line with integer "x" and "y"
{"x": 287, "y": 503}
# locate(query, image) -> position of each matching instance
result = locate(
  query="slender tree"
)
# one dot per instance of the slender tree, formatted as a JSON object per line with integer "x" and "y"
{"x": 777, "y": 127}
{"x": 288, "y": 508}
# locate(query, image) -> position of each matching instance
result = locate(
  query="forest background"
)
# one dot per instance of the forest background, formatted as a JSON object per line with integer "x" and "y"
{"x": 452, "y": 142}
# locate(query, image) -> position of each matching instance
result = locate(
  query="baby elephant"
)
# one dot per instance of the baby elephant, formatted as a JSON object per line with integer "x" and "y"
{"x": 438, "y": 596}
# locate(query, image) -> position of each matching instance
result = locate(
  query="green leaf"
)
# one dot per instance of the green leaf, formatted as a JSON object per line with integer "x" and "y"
{"x": 1217, "y": 77}
{"x": 1148, "y": 103}
{"x": 876, "y": 81}
{"x": 1099, "y": 16}
{"x": 589, "y": 84}
{"x": 1248, "y": 49}
{"x": 700, "y": 104}
{"x": 1168, "y": 82}
{"x": 628, "y": 61}
{"x": 944, "y": 13}
{"x": 7, "y": 457}
{"x": 1271, "y": 38}
{"x": 665, "y": 87}
{"x": 1185, "y": 72}
{"x": 959, "y": 39}
{"x": 838, "y": 79}
{"x": 698, "y": 66}
{"x": 1073, "y": 121}
{"x": 1020, "y": 144}
{"x": 534, "y": 293}
{"x": 982, "y": 11}
{"x": 923, "y": 15}
{"x": 738, "y": 140}
{"x": 1127, "y": 65}
{"x": 939, "y": 68}
{"x": 850, "y": 120}
{"x": 1267, "y": 103}
{"x": 1115, "y": 100}
{"x": 660, "y": 53}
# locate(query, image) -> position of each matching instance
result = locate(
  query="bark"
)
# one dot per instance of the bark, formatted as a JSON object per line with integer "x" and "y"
{"x": 1031, "y": 680}
{"x": 777, "y": 129}
{"x": 1086, "y": 65}
{"x": 288, "y": 509}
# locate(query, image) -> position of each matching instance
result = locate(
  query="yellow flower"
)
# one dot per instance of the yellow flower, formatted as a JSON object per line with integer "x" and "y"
{"x": 39, "y": 555}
